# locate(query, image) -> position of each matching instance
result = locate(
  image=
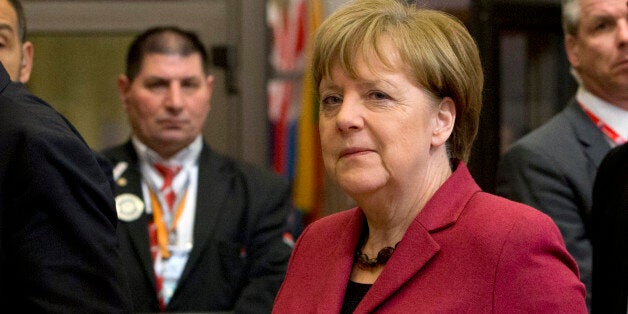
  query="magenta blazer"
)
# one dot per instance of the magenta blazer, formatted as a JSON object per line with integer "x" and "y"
{"x": 466, "y": 252}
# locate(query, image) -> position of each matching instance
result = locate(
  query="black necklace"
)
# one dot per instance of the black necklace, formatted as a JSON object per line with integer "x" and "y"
{"x": 364, "y": 262}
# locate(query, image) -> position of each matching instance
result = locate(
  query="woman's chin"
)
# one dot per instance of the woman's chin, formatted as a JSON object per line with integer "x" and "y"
{"x": 356, "y": 185}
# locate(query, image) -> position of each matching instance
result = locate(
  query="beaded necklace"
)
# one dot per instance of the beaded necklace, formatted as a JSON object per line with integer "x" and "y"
{"x": 364, "y": 262}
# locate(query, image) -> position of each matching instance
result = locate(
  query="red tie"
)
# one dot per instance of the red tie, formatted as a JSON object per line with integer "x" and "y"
{"x": 168, "y": 174}
{"x": 170, "y": 196}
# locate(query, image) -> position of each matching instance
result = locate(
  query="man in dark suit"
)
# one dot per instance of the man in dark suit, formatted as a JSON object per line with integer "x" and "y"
{"x": 553, "y": 167}
{"x": 610, "y": 231}
{"x": 58, "y": 247}
{"x": 210, "y": 234}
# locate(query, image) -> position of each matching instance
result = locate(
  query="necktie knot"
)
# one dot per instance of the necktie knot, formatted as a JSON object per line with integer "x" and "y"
{"x": 168, "y": 173}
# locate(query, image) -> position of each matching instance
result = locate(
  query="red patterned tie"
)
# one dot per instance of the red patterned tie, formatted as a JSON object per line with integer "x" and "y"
{"x": 170, "y": 196}
{"x": 168, "y": 174}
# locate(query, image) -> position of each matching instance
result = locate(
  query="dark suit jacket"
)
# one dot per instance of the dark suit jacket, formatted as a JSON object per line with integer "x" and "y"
{"x": 610, "y": 233}
{"x": 466, "y": 252}
{"x": 553, "y": 169}
{"x": 239, "y": 256}
{"x": 58, "y": 247}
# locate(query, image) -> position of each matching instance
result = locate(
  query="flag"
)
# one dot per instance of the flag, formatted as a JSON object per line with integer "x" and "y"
{"x": 292, "y": 110}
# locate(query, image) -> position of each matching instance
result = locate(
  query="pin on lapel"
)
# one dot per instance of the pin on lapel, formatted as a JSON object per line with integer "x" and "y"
{"x": 119, "y": 169}
{"x": 129, "y": 207}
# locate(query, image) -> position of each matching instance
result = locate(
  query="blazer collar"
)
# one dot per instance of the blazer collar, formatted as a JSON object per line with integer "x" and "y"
{"x": 592, "y": 139}
{"x": 338, "y": 270}
{"x": 214, "y": 182}
{"x": 131, "y": 182}
{"x": 418, "y": 246}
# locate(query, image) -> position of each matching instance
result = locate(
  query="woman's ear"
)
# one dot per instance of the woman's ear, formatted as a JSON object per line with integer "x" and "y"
{"x": 444, "y": 121}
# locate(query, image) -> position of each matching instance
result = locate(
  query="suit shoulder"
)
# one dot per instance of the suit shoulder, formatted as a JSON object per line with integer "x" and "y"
{"x": 505, "y": 212}
{"x": 253, "y": 174}
{"x": 21, "y": 115}
{"x": 333, "y": 225}
{"x": 556, "y": 131}
{"x": 30, "y": 120}
{"x": 115, "y": 153}
{"x": 554, "y": 144}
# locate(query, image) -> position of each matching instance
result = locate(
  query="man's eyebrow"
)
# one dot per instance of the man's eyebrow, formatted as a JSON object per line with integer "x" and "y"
{"x": 5, "y": 26}
{"x": 156, "y": 79}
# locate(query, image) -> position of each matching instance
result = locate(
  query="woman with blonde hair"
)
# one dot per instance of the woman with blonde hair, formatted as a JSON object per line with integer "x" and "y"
{"x": 400, "y": 92}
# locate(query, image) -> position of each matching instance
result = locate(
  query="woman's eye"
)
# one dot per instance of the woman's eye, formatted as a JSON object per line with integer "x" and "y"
{"x": 331, "y": 100}
{"x": 377, "y": 95}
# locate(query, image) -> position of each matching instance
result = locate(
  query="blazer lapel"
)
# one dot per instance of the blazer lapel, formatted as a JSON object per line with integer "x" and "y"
{"x": 418, "y": 246}
{"x": 137, "y": 230}
{"x": 407, "y": 262}
{"x": 338, "y": 270}
{"x": 592, "y": 139}
{"x": 213, "y": 184}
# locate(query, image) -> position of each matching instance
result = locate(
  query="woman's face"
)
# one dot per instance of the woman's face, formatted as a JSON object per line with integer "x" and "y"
{"x": 379, "y": 129}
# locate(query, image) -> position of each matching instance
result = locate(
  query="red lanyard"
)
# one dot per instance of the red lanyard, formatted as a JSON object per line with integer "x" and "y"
{"x": 607, "y": 130}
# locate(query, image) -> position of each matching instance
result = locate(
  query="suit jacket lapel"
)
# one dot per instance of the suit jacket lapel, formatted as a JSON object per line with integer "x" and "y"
{"x": 407, "y": 262}
{"x": 592, "y": 139}
{"x": 338, "y": 270}
{"x": 137, "y": 230}
{"x": 418, "y": 246}
{"x": 212, "y": 192}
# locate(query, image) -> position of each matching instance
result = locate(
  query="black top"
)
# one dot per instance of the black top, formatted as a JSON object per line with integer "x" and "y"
{"x": 354, "y": 294}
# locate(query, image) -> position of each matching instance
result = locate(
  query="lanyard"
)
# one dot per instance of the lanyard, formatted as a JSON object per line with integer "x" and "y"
{"x": 163, "y": 231}
{"x": 607, "y": 130}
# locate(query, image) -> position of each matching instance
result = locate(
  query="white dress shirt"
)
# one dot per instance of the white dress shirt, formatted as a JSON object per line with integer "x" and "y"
{"x": 184, "y": 182}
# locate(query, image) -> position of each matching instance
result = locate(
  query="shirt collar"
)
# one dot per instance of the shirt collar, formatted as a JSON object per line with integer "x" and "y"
{"x": 185, "y": 157}
{"x": 613, "y": 116}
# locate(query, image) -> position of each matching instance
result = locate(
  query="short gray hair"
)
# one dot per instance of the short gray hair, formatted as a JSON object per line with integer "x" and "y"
{"x": 571, "y": 16}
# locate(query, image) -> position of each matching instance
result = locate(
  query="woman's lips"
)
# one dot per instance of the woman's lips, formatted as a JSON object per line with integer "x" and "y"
{"x": 354, "y": 151}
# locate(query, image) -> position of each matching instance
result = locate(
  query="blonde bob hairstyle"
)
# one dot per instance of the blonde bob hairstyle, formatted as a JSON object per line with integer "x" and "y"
{"x": 436, "y": 48}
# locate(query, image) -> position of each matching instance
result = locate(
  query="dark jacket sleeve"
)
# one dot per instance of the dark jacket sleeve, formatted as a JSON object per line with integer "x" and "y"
{"x": 59, "y": 246}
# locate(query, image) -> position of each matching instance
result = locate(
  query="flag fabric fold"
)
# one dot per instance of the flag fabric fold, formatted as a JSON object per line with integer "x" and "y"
{"x": 292, "y": 108}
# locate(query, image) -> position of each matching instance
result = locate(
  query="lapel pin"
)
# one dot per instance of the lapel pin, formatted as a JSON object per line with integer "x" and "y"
{"x": 129, "y": 207}
{"x": 121, "y": 182}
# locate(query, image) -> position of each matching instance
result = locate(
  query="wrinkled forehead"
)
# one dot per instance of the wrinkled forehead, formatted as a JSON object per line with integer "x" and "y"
{"x": 593, "y": 8}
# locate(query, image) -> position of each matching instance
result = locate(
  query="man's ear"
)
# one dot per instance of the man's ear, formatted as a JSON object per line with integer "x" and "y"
{"x": 26, "y": 64}
{"x": 444, "y": 121}
{"x": 124, "y": 84}
{"x": 572, "y": 50}
{"x": 210, "y": 87}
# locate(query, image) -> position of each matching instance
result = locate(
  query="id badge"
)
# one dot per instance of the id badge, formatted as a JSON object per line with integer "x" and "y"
{"x": 172, "y": 268}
